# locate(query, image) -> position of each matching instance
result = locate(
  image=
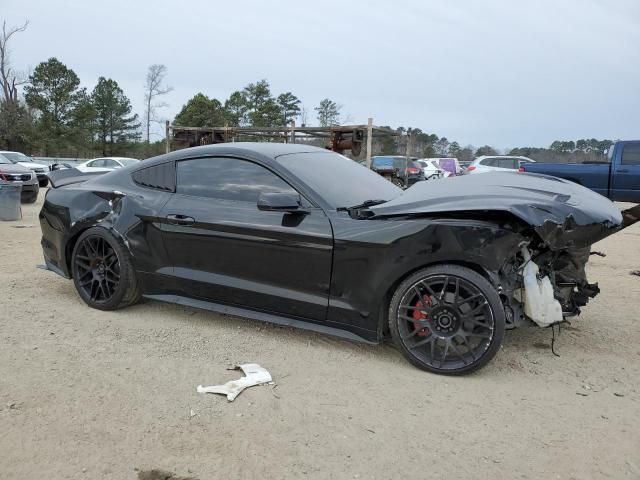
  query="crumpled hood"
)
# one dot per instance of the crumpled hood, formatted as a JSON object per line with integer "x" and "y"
{"x": 563, "y": 213}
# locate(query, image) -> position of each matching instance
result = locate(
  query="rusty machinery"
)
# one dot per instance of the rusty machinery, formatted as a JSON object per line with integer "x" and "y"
{"x": 339, "y": 138}
{"x": 347, "y": 139}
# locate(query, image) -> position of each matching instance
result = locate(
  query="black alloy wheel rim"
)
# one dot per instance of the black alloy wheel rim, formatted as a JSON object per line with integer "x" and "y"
{"x": 445, "y": 321}
{"x": 97, "y": 269}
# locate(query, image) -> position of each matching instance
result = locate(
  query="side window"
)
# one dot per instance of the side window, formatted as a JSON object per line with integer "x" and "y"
{"x": 111, "y": 163}
{"x": 159, "y": 177}
{"x": 96, "y": 163}
{"x": 490, "y": 162}
{"x": 227, "y": 179}
{"x": 631, "y": 154}
{"x": 508, "y": 163}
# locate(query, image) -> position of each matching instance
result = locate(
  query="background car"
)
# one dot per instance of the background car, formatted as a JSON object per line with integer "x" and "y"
{"x": 17, "y": 174}
{"x": 616, "y": 177}
{"x": 496, "y": 163}
{"x": 401, "y": 171}
{"x": 26, "y": 161}
{"x": 60, "y": 166}
{"x": 106, "y": 164}
{"x": 431, "y": 169}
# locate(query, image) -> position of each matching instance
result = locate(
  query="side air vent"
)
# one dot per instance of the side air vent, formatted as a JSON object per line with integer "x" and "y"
{"x": 160, "y": 177}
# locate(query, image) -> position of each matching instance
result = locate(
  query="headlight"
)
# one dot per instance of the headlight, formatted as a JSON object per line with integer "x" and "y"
{"x": 33, "y": 175}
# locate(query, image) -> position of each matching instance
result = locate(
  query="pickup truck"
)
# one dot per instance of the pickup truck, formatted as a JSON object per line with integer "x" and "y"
{"x": 618, "y": 179}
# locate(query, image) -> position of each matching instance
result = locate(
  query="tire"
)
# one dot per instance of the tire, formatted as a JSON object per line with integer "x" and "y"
{"x": 31, "y": 198}
{"x": 103, "y": 271}
{"x": 452, "y": 334}
{"x": 398, "y": 182}
{"x": 43, "y": 183}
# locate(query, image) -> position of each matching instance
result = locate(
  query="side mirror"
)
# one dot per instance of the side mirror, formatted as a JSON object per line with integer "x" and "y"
{"x": 280, "y": 202}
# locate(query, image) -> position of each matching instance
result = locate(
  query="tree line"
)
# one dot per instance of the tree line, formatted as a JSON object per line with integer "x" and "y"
{"x": 415, "y": 142}
{"x": 255, "y": 106}
{"x": 55, "y": 116}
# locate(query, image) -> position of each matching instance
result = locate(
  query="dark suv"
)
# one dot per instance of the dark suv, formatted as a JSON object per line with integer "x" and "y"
{"x": 402, "y": 171}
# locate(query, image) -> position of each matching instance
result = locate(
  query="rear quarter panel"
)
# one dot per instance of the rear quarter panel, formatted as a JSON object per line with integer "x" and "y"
{"x": 131, "y": 216}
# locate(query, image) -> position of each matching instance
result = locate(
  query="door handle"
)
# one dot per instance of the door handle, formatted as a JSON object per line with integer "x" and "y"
{"x": 180, "y": 220}
{"x": 622, "y": 170}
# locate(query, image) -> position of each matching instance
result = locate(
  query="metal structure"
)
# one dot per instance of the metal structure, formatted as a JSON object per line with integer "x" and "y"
{"x": 356, "y": 138}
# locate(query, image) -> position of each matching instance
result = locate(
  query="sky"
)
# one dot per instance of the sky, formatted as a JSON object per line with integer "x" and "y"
{"x": 499, "y": 72}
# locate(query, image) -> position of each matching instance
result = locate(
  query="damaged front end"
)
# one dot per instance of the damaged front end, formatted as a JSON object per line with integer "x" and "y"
{"x": 543, "y": 287}
{"x": 544, "y": 279}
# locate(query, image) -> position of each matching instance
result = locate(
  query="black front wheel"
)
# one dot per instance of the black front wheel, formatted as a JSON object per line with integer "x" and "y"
{"x": 103, "y": 273}
{"x": 447, "y": 319}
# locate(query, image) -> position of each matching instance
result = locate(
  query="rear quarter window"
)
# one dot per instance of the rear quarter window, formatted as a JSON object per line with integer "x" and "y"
{"x": 158, "y": 177}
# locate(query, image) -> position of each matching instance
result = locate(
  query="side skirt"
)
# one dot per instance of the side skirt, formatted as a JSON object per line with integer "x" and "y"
{"x": 262, "y": 316}
{"x": 52, "y": 268}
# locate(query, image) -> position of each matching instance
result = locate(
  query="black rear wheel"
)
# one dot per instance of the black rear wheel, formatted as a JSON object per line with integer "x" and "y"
{"x": 103, "y": 272}
{"x": 447, "y": 319}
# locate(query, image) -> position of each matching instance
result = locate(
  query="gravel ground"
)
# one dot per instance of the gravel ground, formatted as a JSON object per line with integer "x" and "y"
{"x": 90, "y": 394}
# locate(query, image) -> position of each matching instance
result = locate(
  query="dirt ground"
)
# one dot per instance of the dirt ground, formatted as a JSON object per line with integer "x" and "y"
{"x": 90, "y": 394}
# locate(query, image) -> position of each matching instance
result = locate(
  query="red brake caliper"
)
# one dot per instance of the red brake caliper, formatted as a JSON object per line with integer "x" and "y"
{"x": 418, "y": 315}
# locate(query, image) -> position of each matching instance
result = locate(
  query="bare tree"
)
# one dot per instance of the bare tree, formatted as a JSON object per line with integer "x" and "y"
{"x": 10, "y": 80}
{"x": 154, "y": 89}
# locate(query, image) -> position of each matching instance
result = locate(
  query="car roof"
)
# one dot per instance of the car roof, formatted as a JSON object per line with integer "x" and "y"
{"x": 519, "y": 157}
{"x": 261, "y": 149}
{"x": 502, "y": 156}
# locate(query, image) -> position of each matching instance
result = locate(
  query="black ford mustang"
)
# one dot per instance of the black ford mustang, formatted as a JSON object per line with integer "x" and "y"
{"x": 301, "y": 236}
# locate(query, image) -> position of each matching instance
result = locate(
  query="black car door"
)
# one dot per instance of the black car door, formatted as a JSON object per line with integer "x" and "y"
{"x": 223, "y": 249}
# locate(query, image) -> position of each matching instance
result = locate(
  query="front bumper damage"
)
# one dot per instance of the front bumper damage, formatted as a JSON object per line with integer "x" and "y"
{"x": 544, "y": 281}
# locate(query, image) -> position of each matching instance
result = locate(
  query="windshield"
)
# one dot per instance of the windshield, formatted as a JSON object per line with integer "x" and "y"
{"x": 339, "y": 181}
{"x": 16, "y": 157}
{"x": 5, "y": 160}
{"x": 128, "y": 161}
{"x": 378, "y": 162}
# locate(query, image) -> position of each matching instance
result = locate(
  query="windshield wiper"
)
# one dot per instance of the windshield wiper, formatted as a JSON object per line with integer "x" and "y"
{"x": 365, "y": 204}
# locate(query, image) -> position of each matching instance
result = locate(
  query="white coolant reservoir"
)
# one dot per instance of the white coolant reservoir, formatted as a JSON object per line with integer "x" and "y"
{"x": 539, "y": 302}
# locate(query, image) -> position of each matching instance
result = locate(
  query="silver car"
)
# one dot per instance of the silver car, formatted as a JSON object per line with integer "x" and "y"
{"x": 16, "y": 174}
{"x": 21, "y": 159}
{"x": 496, "y": 163}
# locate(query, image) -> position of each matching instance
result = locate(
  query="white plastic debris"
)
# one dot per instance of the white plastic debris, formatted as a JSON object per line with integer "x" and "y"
{"x": 254, "y": 375}
{"x": 540, "y": 304}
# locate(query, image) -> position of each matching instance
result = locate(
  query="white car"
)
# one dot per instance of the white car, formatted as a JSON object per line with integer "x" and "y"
{"x": 106, "y": 164}
{"x": 496, "y": 163}
{"x": 431, "y": 169}
{"x": 39, "y": 169}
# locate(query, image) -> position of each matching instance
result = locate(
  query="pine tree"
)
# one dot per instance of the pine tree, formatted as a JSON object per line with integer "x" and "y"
{"x": 114, "y": 122}
{"x": 328, "y": 113}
